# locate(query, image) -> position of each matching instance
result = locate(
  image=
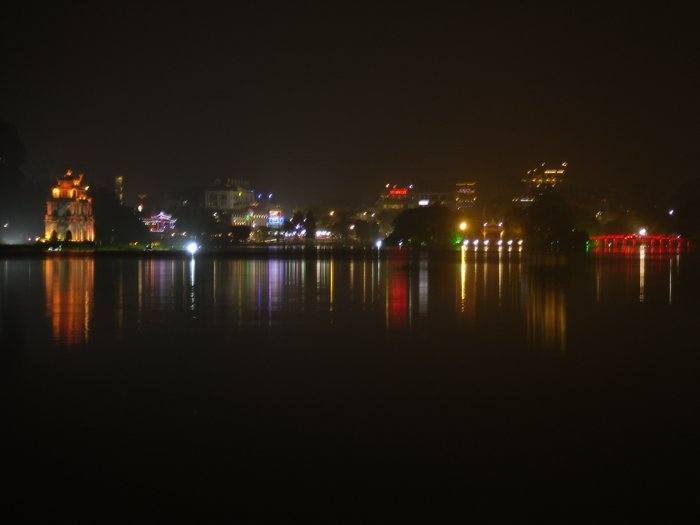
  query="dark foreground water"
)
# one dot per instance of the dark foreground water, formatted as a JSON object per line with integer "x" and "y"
{"x": 401, "y": 386}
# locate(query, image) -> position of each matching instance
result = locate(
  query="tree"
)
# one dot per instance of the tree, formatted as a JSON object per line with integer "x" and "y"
{"x": 433, "y": 225}
{"x": 550, "y": 221}
{"x": 366, "y": 232}
{"x": 115, "y": 223}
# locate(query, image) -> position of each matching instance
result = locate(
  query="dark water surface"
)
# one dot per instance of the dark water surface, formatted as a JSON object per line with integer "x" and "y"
{"x": 378, "y": 387}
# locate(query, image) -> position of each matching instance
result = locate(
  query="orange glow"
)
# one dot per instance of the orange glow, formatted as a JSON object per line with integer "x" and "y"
{"x": 69, "y": 211}
{"x": 69, "y": 286}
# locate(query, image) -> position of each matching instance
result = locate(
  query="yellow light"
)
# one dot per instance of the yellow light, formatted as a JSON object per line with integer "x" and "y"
{"x": 463, "y": 226}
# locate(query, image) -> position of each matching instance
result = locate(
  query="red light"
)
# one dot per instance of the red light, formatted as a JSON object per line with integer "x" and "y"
{"x": 398, "y": 192}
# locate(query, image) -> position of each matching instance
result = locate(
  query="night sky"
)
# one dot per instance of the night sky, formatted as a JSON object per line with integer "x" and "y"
{"x": 326, "y": 103}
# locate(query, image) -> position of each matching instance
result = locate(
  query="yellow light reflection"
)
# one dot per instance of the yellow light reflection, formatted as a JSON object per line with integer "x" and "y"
{"x": 463, "y": 280}
{"x": 69, "y": 286}
{"x": 642, "y": 264}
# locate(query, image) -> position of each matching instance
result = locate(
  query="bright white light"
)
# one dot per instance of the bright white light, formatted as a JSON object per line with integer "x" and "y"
{"x": 500, "y": 242}
{"x": 465, "y": 242}
{"x": 642, "y": 231}
{"x": 510, "y": 242}
{"x": 500, "y": 224}
{"x": 671, "y": 211}
{"x": 269, "y": 196}
{"x": 140, "y": 208}
{"x": 423, "y": 202}
{"x": 476, "y": 242}
{"x": 520, "y": 242}
{"x": 192, "y": 247}
{"x": 352, "y": 227}
{"x": 486, "y": 242}
{"x": 379, "y": 244}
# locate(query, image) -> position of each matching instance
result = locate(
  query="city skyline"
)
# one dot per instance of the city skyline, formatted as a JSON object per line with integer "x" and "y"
{"x": 308, "y": 105}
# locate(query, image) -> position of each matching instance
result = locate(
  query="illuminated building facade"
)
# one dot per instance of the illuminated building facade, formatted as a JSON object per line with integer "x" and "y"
{"x": 69, "y": 211}
{"x": 160, "y": 222}
{"x": 540, "y": 180}
{"x": 396, "y": 198}
{"x": 433, "y": 197}
{"x": 230, "y": 195}
{"x": 544, "y": 178}
{"x": 465, "y": 195}
{"x": 260, "y": 215}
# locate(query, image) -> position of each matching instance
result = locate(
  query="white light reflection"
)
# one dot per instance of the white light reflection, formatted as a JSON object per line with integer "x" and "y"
{"x": 192, "y": 275}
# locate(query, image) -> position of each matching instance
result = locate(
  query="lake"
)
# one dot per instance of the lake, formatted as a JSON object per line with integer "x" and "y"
{"x": 165, "y": 383}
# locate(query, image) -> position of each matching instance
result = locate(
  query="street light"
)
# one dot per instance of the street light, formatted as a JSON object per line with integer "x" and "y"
{"x": 463, "y": 226}
{"x": 642, "y": 231}
{"x": 192, "y": 248}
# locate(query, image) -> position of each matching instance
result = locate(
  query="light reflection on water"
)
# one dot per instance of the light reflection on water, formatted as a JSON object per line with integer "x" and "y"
{"x": 502, "y": 291}
{"x": 70, "y": 294}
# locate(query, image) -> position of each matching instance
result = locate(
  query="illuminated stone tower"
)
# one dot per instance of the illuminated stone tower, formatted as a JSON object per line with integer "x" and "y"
{"x": 69, "y": 211}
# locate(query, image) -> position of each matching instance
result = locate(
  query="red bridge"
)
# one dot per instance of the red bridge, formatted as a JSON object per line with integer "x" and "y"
{"x": 616, "y": 241}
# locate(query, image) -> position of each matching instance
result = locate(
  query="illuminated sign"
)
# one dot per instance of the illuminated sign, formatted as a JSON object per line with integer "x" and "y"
{"x": 423, "y": 202}
{"x": 398, "y": 192}
{"x": 275, "y": 219}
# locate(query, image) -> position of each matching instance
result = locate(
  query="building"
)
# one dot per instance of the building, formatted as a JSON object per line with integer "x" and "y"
{"x": 257, "y": 217}
{"x": 229, "y": 196}
{"x": 539, "y": 181}
{"x": 543, "y": 178}
{"x": 69, "y": 211}
{"x": 431, "y": 198}
{"x": 119, "y": 189}
{"x": 160, "y": 222}
{"x": 395, "y": 198}
{"x": 465, "y": 195}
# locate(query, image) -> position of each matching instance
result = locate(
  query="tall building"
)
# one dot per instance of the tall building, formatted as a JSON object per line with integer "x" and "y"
{"x": 230, "y": 195}
{"x": 465, "y": 195}
{"x": 119, "y": 189}
{"x": 544, "y": 178}
{"x": 395, "y": 198}
{"x": 69, "y": 211}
